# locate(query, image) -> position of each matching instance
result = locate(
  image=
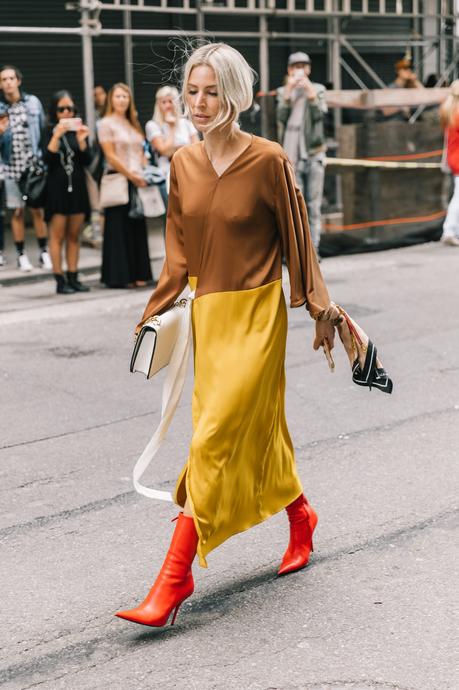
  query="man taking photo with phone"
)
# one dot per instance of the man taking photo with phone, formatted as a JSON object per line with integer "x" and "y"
{"x": 21, "y": 128}
{"x": 301, "y": 108}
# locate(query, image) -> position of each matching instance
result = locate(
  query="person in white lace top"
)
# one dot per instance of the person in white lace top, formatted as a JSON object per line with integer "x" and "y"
{"x": 169, "y": 130}
{"x": 125, "y": 255}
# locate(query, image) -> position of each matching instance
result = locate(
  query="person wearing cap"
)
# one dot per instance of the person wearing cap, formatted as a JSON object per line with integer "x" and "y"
{"x": 405, "y": 78}
{"x": 301, "y": 109}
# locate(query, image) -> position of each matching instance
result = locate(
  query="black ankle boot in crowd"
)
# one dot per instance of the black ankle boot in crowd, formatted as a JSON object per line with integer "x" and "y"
{"x": 72, "y": 279}
{"x": 61, "y": 286}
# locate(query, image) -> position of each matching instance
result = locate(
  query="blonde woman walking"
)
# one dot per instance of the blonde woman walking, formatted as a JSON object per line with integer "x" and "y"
{"x": 169, "y": 130}
{"x": 449, "y": 120}
{"x": 226, "y": 236}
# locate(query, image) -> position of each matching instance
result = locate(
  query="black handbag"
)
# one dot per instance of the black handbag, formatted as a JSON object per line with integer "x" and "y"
{"x": 33, "y": 185}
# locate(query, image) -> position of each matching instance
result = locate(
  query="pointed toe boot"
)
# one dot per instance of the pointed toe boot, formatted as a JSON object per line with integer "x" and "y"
{"x": 174, "y": 583}
{"x": 303, "y": 521}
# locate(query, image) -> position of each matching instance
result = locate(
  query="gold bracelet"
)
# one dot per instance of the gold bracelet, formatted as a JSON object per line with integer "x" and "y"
{"x": 331, "y": 313}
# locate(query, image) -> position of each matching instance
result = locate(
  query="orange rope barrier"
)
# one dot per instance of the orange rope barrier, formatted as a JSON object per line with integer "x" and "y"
{"x": 391, "y": 221}
{"x": 406, "y": 156}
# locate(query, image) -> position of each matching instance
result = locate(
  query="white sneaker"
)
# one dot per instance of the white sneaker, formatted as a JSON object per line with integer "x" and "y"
{"x": 24, "y": 263}
{"x": 451, "y": 241}
{"x": 2, "y": 260}
{"x": 45, "y": 260}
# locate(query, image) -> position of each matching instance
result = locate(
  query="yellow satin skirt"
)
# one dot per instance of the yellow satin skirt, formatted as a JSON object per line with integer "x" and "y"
{"x": 241, "y": 465}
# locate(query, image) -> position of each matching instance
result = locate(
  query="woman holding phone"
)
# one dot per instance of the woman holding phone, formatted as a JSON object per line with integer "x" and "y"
{"x": 169, "y": 130}
{"x": 67, "y": 203}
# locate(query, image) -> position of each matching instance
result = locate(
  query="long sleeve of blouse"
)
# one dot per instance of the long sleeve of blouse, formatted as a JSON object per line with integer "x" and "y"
{"x": 306, "y": 283}
{"x": 174, "y": 275}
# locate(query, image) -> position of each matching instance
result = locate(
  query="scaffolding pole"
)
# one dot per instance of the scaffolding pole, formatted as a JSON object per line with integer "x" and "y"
{"x": 88, "y": 68}
{"x": 264, "y": 71}
{"x": 128, "y": 52}
{"x": 335, "y": 72}
{"x": 376, "y": 40}
{"x": 200, "y": 19}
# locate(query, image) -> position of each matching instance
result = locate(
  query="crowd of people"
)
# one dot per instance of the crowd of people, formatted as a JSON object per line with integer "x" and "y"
{"x": 49, "y": 163}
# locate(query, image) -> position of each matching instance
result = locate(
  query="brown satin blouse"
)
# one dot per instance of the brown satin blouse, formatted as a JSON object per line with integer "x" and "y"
{"x": 231, "y": 231}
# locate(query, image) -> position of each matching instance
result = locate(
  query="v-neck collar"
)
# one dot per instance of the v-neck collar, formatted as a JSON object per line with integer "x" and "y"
{"x": 228, "y": 167}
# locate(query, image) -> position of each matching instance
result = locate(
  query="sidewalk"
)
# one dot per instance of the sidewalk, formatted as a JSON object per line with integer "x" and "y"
{"x": 90, "y": 258}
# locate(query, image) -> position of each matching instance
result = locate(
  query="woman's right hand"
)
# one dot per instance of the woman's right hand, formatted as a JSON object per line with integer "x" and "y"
{"x": 170, "y": 119}
{"x": 137, "y": 179}
{"x": 60, "y": 129}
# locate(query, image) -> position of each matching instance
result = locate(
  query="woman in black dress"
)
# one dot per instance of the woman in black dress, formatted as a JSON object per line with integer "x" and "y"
{"x": 67, "y": 203}
{"x": 125, "y": 256}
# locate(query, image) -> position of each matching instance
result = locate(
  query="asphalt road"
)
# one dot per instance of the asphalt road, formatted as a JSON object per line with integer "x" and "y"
{"x": 378, "y": 606}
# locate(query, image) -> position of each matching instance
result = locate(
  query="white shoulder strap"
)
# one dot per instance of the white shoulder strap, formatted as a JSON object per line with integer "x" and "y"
{"x": 172, "y": 391}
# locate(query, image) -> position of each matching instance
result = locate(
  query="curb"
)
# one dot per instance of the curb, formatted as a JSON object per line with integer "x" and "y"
{"x": 36, "y": 277}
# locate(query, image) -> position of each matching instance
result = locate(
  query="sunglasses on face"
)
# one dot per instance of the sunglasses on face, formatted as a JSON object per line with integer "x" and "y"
{"x": 68, "y": 108}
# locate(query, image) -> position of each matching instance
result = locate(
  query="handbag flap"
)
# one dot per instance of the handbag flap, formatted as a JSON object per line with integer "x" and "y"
{"x": 155, "y": 344}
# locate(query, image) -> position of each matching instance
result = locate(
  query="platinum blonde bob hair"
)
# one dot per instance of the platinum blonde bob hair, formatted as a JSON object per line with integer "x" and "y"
{"x": 167, "y": 92}
{"x": 234, "y": 78}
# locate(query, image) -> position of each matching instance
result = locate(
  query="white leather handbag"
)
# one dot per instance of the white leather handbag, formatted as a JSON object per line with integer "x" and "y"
{"x": 163, "y": 341}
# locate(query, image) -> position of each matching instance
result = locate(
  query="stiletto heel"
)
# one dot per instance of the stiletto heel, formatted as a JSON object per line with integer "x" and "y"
{"x": 175, "y": 615}
{"x": 367, "y": 369}
{"x": 174, "y": 583}
{"x": 303, "y": 521}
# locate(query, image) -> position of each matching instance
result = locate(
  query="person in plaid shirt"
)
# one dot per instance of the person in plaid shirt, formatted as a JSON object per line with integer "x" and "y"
{"x": 21, "y": 125}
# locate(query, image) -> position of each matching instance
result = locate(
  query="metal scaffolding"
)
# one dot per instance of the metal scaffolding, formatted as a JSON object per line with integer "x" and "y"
{"x": 432, "y": 35}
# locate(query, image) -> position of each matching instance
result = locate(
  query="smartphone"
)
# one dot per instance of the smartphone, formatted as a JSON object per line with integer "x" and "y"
{"x": 74, "y": 123}
{"x": 298, "y": 73}
{"x": 328, "y": 356}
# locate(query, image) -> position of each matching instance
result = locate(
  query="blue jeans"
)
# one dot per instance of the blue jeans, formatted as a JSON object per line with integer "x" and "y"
{"x": 2, "y": 221}
{"x": 310, "y": 175}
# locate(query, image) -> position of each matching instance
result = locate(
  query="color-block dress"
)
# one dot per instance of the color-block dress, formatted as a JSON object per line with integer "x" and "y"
{"x": 226, "y": 236}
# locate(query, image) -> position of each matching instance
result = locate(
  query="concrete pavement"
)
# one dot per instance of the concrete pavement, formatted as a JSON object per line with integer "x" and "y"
{"x": 377, "y": 609}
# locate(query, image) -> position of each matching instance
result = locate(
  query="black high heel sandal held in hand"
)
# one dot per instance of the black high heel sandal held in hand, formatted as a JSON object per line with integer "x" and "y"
{"x": 367, "y": 369}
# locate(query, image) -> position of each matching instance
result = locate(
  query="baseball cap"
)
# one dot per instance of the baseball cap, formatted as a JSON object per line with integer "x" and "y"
{"x": 294, "y": 58}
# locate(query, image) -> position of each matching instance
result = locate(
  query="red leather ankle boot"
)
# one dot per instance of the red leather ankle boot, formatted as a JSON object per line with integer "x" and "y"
{"x": 303, "y": 521}
{"x": 174, "y": 583}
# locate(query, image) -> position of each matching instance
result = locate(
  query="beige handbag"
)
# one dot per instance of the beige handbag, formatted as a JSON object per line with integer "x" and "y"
{"x": 93, "y": 191}
{"x": 152, "y": 201}
{"x": 114, "y": 190}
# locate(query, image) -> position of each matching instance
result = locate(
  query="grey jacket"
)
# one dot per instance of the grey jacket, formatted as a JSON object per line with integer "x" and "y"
{"x": 314, "y": 113}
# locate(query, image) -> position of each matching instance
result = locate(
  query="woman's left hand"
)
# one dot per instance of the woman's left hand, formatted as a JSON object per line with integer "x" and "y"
{"x": 82, "y": 134}
{"x": 325, "y": 330}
